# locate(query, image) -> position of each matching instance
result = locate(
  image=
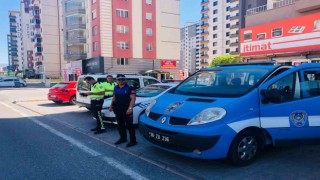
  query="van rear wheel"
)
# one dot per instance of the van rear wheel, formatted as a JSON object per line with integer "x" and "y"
{"x": 245, "y": 148}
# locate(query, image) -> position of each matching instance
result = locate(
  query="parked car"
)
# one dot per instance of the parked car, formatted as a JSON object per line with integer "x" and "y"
{"x": 64, "y": 92}
{"x": 143, "y": 98}
{"x": 10, "y": 81}
{"x": 133, "y": 80}
{"x": 235, "y": 111}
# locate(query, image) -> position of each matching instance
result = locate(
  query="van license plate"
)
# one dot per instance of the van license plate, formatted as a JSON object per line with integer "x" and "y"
{"x": 159, "y": 137}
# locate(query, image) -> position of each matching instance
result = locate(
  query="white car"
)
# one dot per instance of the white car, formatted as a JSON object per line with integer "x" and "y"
{"x": 144, "y": 96}
{"x": 8, "y": 81}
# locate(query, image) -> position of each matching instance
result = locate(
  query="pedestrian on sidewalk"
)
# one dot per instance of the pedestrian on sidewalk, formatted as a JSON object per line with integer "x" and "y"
{"x": 96, "y": 95}
{"x": 123, "y": 100}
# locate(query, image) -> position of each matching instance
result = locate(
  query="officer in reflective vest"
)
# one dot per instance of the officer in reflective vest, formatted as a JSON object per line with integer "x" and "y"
{"x": 109, "y": 85}
{"x": 96, "y": 95}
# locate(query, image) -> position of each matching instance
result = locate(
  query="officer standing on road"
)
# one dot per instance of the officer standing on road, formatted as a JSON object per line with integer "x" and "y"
{"x": 96, "y": 95}
{"x": 122, "y": 103}
{"x": 109, "y": 85}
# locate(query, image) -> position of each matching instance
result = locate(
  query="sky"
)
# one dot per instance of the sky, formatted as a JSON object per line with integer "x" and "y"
{"x": 189, "y": 12}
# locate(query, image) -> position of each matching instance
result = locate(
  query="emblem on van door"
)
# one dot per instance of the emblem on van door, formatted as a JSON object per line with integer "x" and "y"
{"x": 163, "y": 120}
{"x": 298, "y": 118}
{"x": 174, "y": 106}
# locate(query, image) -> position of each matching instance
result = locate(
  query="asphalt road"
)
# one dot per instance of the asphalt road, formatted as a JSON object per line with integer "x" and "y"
{"x": 40, "y": 139}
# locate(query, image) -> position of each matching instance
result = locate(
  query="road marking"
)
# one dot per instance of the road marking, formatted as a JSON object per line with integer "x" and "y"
{"x": 124, "y": 169}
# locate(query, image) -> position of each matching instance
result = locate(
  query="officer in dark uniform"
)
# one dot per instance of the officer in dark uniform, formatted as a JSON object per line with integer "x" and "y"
{"x": 123, "y": 100}
{"x": 96, "y": 95}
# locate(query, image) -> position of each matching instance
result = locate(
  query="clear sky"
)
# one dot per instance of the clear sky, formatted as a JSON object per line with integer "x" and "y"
{"x": 189, "y": 11}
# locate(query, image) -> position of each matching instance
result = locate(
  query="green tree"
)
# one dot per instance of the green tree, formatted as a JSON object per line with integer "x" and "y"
{"x": 225, "y": 59}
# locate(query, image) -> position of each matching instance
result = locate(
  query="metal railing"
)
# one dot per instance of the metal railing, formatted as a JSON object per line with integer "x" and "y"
{"x": 276, "y": 4}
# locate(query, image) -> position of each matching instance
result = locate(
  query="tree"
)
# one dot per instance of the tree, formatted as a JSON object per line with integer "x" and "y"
{"x": 225, "y": 59}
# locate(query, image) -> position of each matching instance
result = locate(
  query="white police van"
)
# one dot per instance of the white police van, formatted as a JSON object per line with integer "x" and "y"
{"x": 234, "y": 111}
{"x": 132, "y": 80}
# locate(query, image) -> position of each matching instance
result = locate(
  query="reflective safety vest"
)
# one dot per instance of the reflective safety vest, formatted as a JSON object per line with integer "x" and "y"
{"x": 109, "y": 86}
{"x": 97, "y": 87}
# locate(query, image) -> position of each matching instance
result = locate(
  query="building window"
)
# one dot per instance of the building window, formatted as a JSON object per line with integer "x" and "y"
{"x": 214, "y": 28}
{"x": 122, "y": 29}
{"x": 122, "y": 13}
{"x": 215, "y": 11}
{"x": 214, "y": 36}
{"x": 227, "y": 34}
{"x": 215, "y": 3}
{"x": 149, "y": 47}
{"x": 94, "y": 1}
{"x": 214, "y": 52}
{"x": 227, "y": 50}
{"x": 227, "y": 42}
{"x": 228, "y": 1}
{"x": 95, "y": 46}
{"x": 228, "y": 25}
{"x": 94, "y": 14}
{"x": 276, "y": 32}
{"x": 228, "y": 8}
{"x": 122, "y": 61}
{"x": 261, "y": 36}
{"x": 248, "y": 35}
{"x": 122, "y": 45}
{"x": 215, "y": 20}
{"x": 148, "y": 2}
{"x": 214, "y": 44}
{"x": 227, "y": 17}
{"x": 297, "y": 29}
{"x": 95, "y": 30}
{"x": 149, "y": 32}
{"x": 149, "y": 16}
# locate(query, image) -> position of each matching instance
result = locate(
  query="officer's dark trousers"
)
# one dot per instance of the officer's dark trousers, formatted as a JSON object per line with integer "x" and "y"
{"x": 125, "y": 121}
{"x": 96, "y": 106}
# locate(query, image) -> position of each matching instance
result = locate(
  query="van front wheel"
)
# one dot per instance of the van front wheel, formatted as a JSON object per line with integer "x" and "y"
{"x": 244, "y": 148}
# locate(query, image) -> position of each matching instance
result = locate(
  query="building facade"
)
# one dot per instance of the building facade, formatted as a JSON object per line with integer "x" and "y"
{"x": 190, "y": 48}
{"x": 13, "y": 40}
{"x": 285, "y": 31}
{"x": 221, "y": 23}
{"x": 129, "y": 37}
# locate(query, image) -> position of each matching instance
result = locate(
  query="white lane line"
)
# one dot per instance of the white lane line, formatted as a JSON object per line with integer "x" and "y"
{"x": 124, "y": 169}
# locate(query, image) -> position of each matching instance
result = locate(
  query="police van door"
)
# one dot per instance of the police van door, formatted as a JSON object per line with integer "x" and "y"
{"x": 289, "y": 111}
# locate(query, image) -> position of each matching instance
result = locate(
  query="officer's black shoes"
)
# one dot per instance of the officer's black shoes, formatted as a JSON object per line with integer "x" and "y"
{"x": 94, "y": 129}
{"x": 120, "y": 141}
{"x": 99, "y": 131}
{"x": 131, "y": 143}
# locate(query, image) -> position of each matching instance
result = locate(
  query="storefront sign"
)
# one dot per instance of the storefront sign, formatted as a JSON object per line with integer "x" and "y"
{"x": 92, "y": 66}
{"x": 168, "y": 64}
{"x": 291, "y": 35}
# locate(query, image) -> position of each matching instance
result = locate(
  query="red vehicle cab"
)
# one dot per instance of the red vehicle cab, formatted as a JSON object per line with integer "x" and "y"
{"x": 64, "y": 92}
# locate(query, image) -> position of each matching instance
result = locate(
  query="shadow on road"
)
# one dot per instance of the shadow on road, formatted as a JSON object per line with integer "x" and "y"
{"x": 53, "y": 104}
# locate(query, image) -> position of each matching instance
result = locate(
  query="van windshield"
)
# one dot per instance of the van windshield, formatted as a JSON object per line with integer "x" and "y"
{"x": 228, "y": 82}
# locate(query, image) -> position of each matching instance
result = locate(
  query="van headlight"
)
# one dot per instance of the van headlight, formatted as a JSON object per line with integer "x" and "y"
{"x": 208, "y": 115}
{"x": 149, "y": 107}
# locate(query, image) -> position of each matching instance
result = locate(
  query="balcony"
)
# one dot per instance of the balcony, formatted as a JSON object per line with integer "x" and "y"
{"x": 204, "y": 2}
{"x": 234, "y": 44}
{"x": 204, "y": 10}
{"x": 232, "y": 1}
{"x": 204, "y": 56}
{"x": 205, "y": 18}
{"x": 204, "y": 33}
{"x": 204, "y": 49}
{"x": 235, "y": 26}
{"x": 76, "y": 41}
{"x": 234, "y": 35}
{"x": 236, "y": 8}
{"x": 234, "y": 52}
{"x": 236, "y": 17}
{"x": 75, "y": 56}
{"x": 37, "y": 44}
{"x": 37, "y": 54}
{"x": 76, "y": 26}
{"x": 204, "y": 63}
{"x": 205, "y": 42}
{"x": 75, "y": 11}
{"x": 204, "y": 25}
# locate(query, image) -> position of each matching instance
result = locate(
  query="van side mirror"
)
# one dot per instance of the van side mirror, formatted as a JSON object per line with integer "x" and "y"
{"x": 272, "y": 95}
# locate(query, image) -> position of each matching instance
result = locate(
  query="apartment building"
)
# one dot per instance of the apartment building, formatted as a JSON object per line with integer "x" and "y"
{"x": 26, "y": 38}
{"x": 47, "y": 36}
{"x": 285, "y": 31}
{"x": 130, "y": 37}
{"x": 221, "y": 22}
{"x": 190, "y": 48}
{"x": 13, "y": 40}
